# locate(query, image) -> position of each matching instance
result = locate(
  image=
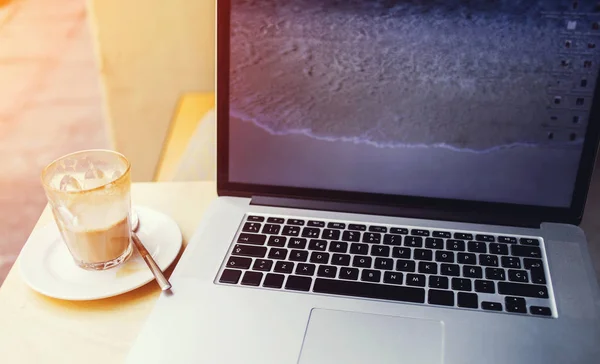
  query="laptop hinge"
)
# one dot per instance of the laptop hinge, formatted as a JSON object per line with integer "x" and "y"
{"x": 396, "y": 211}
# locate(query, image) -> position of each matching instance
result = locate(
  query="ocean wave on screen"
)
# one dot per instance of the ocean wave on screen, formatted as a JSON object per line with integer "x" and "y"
{"x": 379, "y": 144}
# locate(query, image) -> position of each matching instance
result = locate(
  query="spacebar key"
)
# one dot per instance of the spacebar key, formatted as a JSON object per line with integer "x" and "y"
{"x": 370, "y": 290}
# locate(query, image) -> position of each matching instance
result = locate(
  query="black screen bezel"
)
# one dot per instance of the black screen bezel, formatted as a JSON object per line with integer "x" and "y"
{"x": 570, "y": 215}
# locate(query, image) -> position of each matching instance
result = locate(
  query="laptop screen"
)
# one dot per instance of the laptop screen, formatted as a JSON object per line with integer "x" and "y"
{"x": 471, "y": 100}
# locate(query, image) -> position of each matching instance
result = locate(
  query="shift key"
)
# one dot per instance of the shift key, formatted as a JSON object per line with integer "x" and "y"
{"x": 523, "y": 290}
{"x": 249, "y": 251}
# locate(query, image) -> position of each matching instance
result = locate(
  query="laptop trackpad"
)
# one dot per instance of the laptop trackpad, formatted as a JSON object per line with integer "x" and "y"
{"x": 359, "y": 338}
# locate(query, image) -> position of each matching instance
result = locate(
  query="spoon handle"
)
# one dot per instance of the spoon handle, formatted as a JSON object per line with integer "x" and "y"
{"x": 160, "y": 278}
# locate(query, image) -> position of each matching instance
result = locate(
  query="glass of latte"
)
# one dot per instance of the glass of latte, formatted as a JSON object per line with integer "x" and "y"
{"x": 89, "y": 193}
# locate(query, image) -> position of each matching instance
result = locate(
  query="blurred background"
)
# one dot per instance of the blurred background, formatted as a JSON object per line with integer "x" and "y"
{"x": 134, "y": 76}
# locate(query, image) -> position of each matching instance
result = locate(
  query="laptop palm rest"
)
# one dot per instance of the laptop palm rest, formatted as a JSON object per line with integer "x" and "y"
{"x": 359, "y": 338}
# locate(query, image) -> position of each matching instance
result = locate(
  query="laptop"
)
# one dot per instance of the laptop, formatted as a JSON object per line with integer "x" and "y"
{"x": 398, "y": 182}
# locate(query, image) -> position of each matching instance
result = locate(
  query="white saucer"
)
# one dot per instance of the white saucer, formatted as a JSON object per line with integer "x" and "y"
{"x": 47, "y": 266}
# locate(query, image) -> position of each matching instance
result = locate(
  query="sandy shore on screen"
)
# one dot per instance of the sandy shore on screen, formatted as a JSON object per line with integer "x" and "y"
{"x": 534, "y": 175}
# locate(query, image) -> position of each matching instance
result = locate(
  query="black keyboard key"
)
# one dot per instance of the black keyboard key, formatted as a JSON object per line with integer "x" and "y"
{"x": 372, "y": 238}
{"x": 273, "y": 280}
{"x": 529, "y": 241}
{"x": 390, "y": 239}
{"x": 438, "y": 297}
{"x": 336, "y": 225}
{"x": 491, "y": 306}
{"x": 327, "y": 271}
{"x": 402, "y": 231}
{"x": 305, "y": 269}
{"x": 442, "y": 234}
{"x": 384, "y": 263}
{"x": 254, "y": 218}
{"x": 277, "y": 253}
{"x": 532, "y": 263}
{"x": 251, "y": 227}
{"x": 252, "y": 278}
{"x": 438, "y": 282}
{"x": 466, "y": 258}
{"x": 507, "y": 239}
{"x": 510, "y": 262}
{"x": 351, "y": 236}
{"x": 338, "y": 247}
{"x": 467, "y": 300}
{"x": 419, "y": 232}
{"x": 444, "y": 256}
{"x": 320, "y": 258}
{"x": 517, "y": 276}
{"x": 417, "y": 280}
{"x": 404, "y": 265}
{"x": 298, "y": 255}
{"x": 413, "y": 241}
{"x": 477, "y": 247}
{"x": 313, "y": 223}
{"x": 483, "y": 237}
{"x": 349, "y": 273}
{"x": 271, "y": 229}
{"x": 488, "y": 260}
{"x": 357, "y": 227}
{"x": 392, "y": 277}
{"x": 330, "y": 234}
{"x": 472, "y": 271}
{"x": 231, "y": 276}
{"x": 369, "y": 275}
{"x": 295, "y": 222}
{"x": 310, "y": 232}
{"x": 428, "y": 268}
{"x": 380, "y": 251}
{"x": 357, "y": 248}
{"x": 369, "y": 290}
{"x": 340, "y": 259}
{"x": 239, "y": 262}
{"x": 423, "y": 254}
{"x": 455, "y": 245}
{"x": 297, "y": 243}
{"x": 434, "y": 243}
{"x": 540, "y": 311}
{"x": 499, "y": 249}
{"x": 263, "y": 265}
{"x": 254, "y": 239}
{"x": 317, "y": 244}
{"x": 515, "y": 304}
{"x": 403, "y": 253}
{"x": 362, "y": 261}
{"x": 284, "y": 267}
{"x": 461, "y": 284}
{"x": 485, "y": 286}
{"x": 378, "y": 229}
{"x": 275, "y": 220}
{"x": 277, "y": 241}
{"x": 524, "y": 290}
{"x": 298, "y": 283}
{"x": 537, "y": 275}
{"x": 496, "y": 274}
{"x": 249, "y": 251}
{"x": 526, "y": 251}
{"x": 289, "y": 230}
{"x": 450, "y": 270}
{"x": 463, "y": 236}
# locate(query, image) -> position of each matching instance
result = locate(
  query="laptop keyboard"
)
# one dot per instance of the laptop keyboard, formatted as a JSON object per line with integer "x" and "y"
{"x": 465, "y": 270}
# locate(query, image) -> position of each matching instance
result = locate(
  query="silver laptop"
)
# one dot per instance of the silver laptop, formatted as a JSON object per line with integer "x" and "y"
{"x": 399, "y": 182}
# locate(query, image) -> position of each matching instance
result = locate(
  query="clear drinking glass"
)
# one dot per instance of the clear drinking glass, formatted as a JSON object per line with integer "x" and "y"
{"x": 89, "y": 193}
